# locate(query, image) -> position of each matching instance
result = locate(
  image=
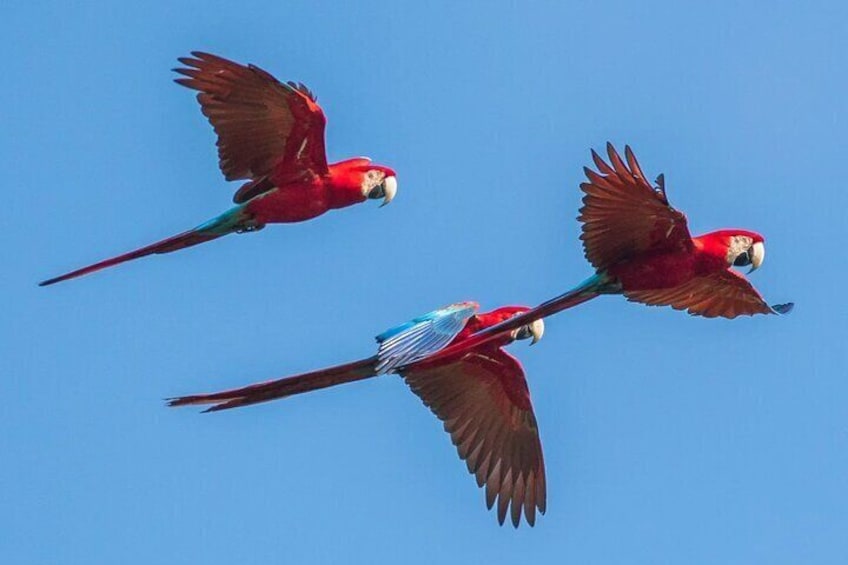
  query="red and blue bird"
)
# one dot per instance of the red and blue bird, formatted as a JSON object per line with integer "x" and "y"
{"x": 481, "y": 395}
{"x": 640, "y": 247}
{"x": 270, "y": 134}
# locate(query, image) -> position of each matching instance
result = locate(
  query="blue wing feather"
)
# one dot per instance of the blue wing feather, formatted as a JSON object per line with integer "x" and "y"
{"x": 422, "y": 336}
{"x": 783, "y": 308}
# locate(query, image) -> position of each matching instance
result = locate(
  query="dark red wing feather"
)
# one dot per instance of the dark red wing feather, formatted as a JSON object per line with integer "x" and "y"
{"x": 726, "y": 294}
{"x": 261, "y": 122}
{"x": 484, "y": 402}
{"x": 623, "y": 214}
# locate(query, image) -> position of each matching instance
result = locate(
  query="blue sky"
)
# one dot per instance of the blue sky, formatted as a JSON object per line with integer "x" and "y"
{"x": 668, "y": 439}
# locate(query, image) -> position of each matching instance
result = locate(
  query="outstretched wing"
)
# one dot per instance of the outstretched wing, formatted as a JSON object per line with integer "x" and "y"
{"x": 727, "y": 294}
{"x": 422, "y": 336}
{"x": 261, "y": 122}
{"x": 623, "y": 214}
{"x": 484, "y": 403}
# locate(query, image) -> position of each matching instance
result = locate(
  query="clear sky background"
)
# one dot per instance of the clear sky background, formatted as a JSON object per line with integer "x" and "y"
{"x": 668, "y": 439}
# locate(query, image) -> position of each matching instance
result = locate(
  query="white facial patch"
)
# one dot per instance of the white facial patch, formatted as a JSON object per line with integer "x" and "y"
{"x": 372, "y": 178}
{"x": 738, "y": 244}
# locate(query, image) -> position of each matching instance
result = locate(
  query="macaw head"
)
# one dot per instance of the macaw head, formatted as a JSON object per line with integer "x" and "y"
{"x": 534, "y": 330}
{"x": 740, "y": 248}
{"x": 379, "y": 182}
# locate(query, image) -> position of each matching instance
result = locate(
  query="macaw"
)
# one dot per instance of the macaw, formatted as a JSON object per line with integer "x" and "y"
{"x": 640, "y": 247}
{"x": 270, "y": 134}
{"x": 481, "y": 395}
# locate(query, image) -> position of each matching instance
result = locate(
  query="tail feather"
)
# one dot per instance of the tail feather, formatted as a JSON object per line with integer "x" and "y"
{"x": 234, "y": 219}
{"x": 592, "y": 287}
{"x": 281, "y": 388}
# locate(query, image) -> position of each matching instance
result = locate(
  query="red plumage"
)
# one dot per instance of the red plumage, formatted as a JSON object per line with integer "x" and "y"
{"x": 640, "y": 247}
{"x": 481, "y": 396}
{"x": 270, "y": 134}
{"x": 631, "y": 233}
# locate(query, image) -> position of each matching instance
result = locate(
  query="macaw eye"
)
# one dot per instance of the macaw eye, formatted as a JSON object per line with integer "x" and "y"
{"x": 742, "y": 260}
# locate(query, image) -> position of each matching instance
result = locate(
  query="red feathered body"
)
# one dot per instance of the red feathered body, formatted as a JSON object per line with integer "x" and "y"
{"x": 305, "y": 196}
{"x": 512, "y": 381}
{"x": 667, "y": 269}
{"x": 488, "y": 319}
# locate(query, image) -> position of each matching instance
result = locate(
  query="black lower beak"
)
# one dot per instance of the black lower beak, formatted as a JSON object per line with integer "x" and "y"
{"x": 742, "y": 260}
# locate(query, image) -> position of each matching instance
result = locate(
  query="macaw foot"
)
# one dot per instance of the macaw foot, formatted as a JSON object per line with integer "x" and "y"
{"x": 249, "y": 227}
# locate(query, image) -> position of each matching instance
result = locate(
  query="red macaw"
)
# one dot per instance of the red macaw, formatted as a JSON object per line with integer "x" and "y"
{"x": 481, "y": 396}
{"x": 272, "y": 135}
{"x": 641, "y": 247}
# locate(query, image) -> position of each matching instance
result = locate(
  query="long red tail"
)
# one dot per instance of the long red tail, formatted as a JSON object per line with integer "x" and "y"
{"x": 228, "y": 222}
{"x": 280, "y": 388}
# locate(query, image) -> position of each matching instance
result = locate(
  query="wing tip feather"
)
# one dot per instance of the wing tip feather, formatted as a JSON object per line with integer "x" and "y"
{"x": 783, "y": 308}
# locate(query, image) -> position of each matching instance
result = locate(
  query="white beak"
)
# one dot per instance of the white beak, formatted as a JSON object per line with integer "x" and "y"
{"x": 537, "y": 329}
{"x": 390, "y": 189}
{"x": 758, "y": 255}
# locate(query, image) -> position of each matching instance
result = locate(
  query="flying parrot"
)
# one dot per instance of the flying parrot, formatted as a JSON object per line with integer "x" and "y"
{"x": 481, "y": 395}
{"x": 641, "y": 247}
{"x": 270, "y": 134}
